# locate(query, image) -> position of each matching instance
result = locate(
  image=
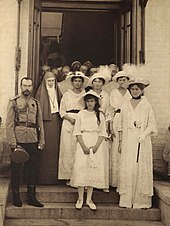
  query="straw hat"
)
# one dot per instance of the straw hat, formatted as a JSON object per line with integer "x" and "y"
{"x": 90, "y": 92}
{"x": 77, "y": 74}
{"x": 121, "y": 74}
{"x": 142, "y": 81}
{"x": 98, "y": 75}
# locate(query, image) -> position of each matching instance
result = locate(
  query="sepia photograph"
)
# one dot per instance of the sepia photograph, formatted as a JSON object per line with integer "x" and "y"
{"x": 84, "y": 113}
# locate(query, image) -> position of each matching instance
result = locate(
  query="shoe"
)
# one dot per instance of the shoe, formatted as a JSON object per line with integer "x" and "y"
{"x": 68, "y": 183}
{"x": 106, "y": 190}
{"x": 91, "y": 205}
{"x": 79, "y": 204}
{"x": 16, "y": 198}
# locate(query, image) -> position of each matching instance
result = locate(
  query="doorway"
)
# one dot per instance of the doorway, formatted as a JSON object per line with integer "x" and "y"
{"x": 80, "y": 36}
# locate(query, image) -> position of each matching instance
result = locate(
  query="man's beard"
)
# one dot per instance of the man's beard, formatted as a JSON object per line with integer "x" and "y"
{"x": 26, "y": 93}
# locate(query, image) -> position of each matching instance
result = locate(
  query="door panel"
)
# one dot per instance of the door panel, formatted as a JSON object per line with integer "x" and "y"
{"x": 34, "y": 41}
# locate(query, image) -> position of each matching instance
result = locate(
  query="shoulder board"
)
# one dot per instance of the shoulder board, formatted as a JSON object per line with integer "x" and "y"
{"x": 14, "y": 98}
{"x": 34, "y": 99}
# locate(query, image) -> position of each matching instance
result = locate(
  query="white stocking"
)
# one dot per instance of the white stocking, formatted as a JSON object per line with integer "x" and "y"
{"x": 89, "y": 193}
{"x": 80, "y": 193}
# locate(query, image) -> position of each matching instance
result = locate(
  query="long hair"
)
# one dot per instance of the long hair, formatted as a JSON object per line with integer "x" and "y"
{"x": 96, "y": 107}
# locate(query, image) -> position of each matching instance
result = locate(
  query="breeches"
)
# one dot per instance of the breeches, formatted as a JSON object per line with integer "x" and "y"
{"x": 31, "y": 166}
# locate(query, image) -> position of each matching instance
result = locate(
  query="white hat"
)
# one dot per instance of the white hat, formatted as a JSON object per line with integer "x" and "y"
{"x": 98, "y": 75}
{"x": 121, "y": 74}
{"x": 90, "y": 92}
{"x": 78, "y": 74}
{"x": 142, "y": 81}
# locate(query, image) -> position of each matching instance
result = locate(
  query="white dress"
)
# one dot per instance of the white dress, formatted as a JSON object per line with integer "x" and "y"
{"x": 116, "y": 101}
{"x": 69, "y": 101}
{"x": 89, "y": 169}
{"x": 105, "y": 108}
{"x": 136, "y": 178}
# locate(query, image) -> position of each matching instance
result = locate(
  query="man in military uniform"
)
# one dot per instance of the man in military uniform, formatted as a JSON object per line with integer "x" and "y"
{"x": 24, "y": 127}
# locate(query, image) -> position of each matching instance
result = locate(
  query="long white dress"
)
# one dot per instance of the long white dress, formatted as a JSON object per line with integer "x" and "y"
{"x": 136, "y": 178}
{"x": 105, "y": 108}
{"x": 116, "y": 101}
{"x": 89, "y": 169}
{"x": 69, "y": 101}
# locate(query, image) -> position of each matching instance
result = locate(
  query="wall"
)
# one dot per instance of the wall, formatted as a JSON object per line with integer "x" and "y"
{"x": 158, "y": 60}
{"x": 8, "y": 41}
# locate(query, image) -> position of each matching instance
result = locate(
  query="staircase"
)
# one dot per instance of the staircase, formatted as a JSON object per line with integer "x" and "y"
{"x": 59, "y": 210}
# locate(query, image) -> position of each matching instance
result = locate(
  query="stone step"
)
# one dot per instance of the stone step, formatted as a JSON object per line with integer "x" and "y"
{"x": 78, "y": 222}
{"x": 66, "y": 194}
{"x": 68, "y": 211}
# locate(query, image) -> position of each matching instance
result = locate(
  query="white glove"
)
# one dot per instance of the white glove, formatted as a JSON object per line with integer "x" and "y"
{"x": 141, "y": 138}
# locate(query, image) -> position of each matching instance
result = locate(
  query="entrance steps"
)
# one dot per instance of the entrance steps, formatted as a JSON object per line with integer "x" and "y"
{"x": 59, "y": 210}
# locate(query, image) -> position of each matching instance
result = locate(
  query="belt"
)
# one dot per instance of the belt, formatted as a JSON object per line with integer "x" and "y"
{"x": 118, "y": 111}
{"x": 73, "y": 111}
{"x": 26, "y": 124}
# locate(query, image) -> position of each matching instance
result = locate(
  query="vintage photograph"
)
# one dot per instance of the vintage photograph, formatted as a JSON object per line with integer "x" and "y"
{"x": 84, "y": 113}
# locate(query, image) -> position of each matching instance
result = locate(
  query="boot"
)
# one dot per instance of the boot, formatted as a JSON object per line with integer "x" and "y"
{"x": 31, "y": 197}
{"x": 16, "y": 197}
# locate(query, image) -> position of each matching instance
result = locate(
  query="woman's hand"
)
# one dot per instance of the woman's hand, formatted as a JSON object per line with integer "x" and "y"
{"x": 72, "y": 121}
{"x": 113, "y": 135}
{"x": 94, "y": 148}
{"x": 86, "y": 150}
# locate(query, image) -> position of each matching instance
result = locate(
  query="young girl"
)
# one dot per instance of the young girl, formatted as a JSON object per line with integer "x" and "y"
{"x": 90, "y": 129}
{"x": 69, "y": 108}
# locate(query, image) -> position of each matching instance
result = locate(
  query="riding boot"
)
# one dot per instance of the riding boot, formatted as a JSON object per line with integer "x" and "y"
{"x": 16, "y": 197}
{"x": 31, "y": 191}
{"x": 15, "y": 181}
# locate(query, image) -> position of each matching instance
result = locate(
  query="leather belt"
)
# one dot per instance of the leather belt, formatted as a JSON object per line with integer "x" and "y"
{"x": 26, "y": 124}
{"x": 73, "y": 111}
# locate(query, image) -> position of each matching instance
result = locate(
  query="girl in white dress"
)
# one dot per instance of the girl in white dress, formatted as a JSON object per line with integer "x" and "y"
{"x": 90, "y": 130}
{"x": 117, "y": 98}
{"x": 97, "y": 81}
{"x": 136, "y": 167}
{"x": 69, "y": 108}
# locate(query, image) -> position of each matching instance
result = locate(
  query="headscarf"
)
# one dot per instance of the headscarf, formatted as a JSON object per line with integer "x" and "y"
{"x": 42, "y": 96}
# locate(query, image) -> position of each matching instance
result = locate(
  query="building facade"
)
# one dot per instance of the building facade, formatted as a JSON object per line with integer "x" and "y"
{"x": 141, "y": 35}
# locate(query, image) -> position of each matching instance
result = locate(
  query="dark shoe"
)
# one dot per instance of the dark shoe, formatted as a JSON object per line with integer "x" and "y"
{"x": 31, "y": 197}
{"x": 33, "y": 201}
{"x": 16, "y": 198}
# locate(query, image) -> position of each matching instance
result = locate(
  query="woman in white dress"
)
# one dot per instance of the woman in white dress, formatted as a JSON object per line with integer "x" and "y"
{"x": 97, "y": 81}
{"x": 117, "y": 98}
{"x": 69, "y": 108}
{"x": 136, "y": 168}
{"x": 90, "y": 130}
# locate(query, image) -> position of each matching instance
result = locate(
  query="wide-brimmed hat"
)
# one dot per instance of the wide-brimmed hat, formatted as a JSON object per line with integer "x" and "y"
{"x": 98, "y": 75}
{"x": 121, "y": 74}
{"x": 144, "y": 82}
{"x": 77, "y": 74}
{"x": 19, "y": 155}
{"x": 90, "y": 92}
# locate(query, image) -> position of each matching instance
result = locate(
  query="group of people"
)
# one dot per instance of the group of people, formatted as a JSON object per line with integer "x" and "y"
{"x": 95, "y": 133}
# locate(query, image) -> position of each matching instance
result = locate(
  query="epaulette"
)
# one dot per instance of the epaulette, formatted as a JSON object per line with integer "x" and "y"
{"x": 14, "y": 98}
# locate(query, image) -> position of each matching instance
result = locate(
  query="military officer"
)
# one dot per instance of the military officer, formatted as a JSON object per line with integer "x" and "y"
{"x": 24, "y": 127}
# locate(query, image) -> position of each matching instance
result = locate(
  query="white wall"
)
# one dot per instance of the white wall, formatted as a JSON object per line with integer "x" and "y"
{"x": 8, "y": 41}
{"x": 158, "y": 59}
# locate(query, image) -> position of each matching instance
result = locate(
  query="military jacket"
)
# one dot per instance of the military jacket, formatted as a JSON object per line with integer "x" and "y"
{"x": 24, "y": 123}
